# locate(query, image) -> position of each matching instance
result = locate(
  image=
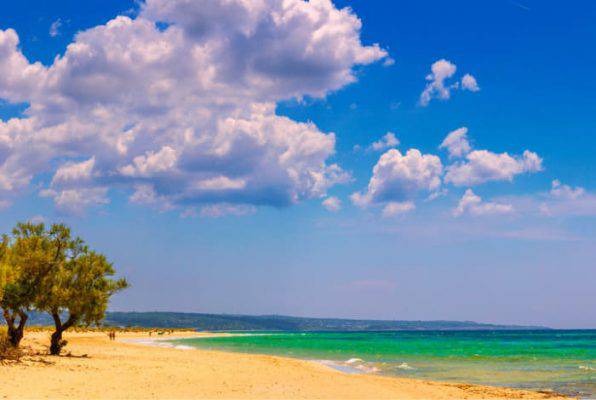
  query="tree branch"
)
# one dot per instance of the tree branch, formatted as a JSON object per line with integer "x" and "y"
{"x": 23, "y": 319}
{"x": 70, "y": 322}
{"x": 9, "y": 318}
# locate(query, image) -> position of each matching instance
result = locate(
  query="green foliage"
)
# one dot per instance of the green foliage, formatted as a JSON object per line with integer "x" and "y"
{"x": 28, "y": 257}
{"x": 25, "y": 259}
{"x": 50, "y": 270}
{"x": 80, "y": 286}
{"x": 4, "y": 269}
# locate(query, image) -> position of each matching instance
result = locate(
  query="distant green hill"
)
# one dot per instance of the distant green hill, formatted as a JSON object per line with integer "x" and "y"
{"x": 226, "y": 322}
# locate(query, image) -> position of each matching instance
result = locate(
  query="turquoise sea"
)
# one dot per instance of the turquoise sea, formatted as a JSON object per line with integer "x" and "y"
{"x": 560, "y": 360}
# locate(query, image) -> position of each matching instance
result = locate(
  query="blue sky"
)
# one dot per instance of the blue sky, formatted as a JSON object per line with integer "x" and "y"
{"x": 198, "y": 156}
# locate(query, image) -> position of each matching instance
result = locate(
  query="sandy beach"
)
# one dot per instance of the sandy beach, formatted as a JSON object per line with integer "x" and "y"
{"x": 121, "y": 369}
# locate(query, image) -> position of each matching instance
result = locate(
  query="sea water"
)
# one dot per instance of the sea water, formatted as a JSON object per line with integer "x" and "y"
{"x": 559, "y": 360}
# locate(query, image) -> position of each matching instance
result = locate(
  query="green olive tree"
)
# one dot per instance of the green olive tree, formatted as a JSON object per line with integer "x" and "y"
{"x": 78, "y": 289}
{"x": 50, "y": 270}
{"x": 27, "y": 258}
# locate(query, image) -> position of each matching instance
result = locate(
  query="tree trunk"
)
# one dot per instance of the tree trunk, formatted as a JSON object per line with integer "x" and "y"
{"x": 17, "y": 335}
{"x": 56, "y": 343}
{"x": 15, "y": 332}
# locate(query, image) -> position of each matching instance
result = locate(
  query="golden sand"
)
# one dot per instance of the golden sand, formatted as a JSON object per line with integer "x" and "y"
{"x": 103, "y": 369}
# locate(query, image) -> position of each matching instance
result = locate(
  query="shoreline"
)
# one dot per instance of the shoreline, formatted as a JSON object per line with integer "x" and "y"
{"x": 98, "y": 368}
{"x": 352, "y": 366}
{"x": 159, "y": 342}
{"x": 349, "y": 367}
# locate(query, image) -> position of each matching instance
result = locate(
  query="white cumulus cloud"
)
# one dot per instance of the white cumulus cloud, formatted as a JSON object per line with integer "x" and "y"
{"x": 472, "y": 204}
{"x": 468, "y": 82}
{"x": 561, "y": 191}
{"x": 74, "y": 172}
{"x": 388, "y": 140}
{"x": 77, "y": 200}
{"x": 457, "y": 143}
{"x": 482, "y": 166}
{"x": 182, "y": 113}
{"x": 564, "y": 200}
{"x": 438, "y": 86}
{"x": 399, "y": 177}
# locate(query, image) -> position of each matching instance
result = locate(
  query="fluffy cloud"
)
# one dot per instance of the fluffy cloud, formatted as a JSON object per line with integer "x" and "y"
{"x": 398, "y": 177}
{"x": 294, "y": 46}
{"x": 332, "y": 204}
{"x": 75, "y": 201}
{"x": 19, "y": 79}
{"x": 564, "y": 200}
{"x": 483, "y": 166}
{"x": 441, "y": 71}
{"x": 182, "y": 113}
{"x": 151, "y": 163}
{"x": 438, "y": 87}
{"x": 468, "y": 82}
{"x": 73, "y": 172}
{"x": 457, "y": 143}
{"x": 472, "y": 204}
{"x": 395, "y": 208}
{"x": 387, "y": 141}
{"x": 74, "y": 189}
{"x": 561, "y": 191}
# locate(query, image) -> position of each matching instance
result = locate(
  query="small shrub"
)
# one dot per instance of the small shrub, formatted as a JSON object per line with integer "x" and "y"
{"x": 7, "y": 351}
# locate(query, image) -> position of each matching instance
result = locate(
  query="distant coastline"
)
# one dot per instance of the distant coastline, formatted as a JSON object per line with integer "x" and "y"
{"x": 234, "y": 322}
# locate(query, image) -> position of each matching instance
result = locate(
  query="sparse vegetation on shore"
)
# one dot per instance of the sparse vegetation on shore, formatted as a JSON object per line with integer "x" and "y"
{"x": 8, "y": 352}
{"x": 50, "y": 270}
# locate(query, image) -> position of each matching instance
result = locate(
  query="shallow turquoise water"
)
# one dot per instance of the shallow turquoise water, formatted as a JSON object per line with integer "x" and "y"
{"x": 564, "y": 361}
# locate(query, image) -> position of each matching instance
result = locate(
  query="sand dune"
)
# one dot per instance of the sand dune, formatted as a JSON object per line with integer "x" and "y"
{"x": 100, "y": 369}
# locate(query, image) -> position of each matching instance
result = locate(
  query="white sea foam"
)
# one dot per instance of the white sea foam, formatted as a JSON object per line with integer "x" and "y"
{"x": 354, "y": 360}
{"x": 369, "y": 369}
{"x": 351, "y": 366}
{"x": 405, "y": 366}
{"x": 183, "y": 347}
{"x": 158, "y": 342}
